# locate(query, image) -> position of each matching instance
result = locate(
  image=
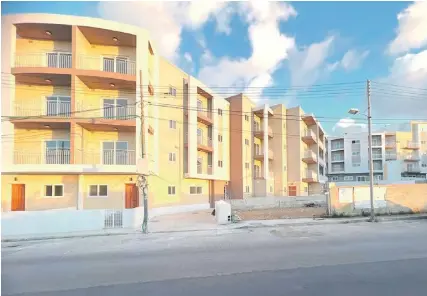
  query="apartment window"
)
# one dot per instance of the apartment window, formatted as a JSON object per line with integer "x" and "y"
{"x": 247, "y": 117}
{"x": 57, "y": 152}
{"x": 247, "y": 165}
{"x": 424, "y": 165}
{"x": 220, "y": 163}
{"x": 172, "y": 124}
{"x": 247, "y": 142}
{"x": 219, "y": 138}
{"x": 116, "y": 153}
{"x": 378, "y": 177}
{"x": 171, "y": 190}
{"x": 172, "y": 91}
{"x": 246, "y": 189}
{"x": 355, "y": 153}
{"x": 53, "y": 190}
{"x": 423, "y": 142}
{"x": 195, "y": 189}
{"x": 116, "y": 109}
{"x": 98, "y": 190}
{"x": 58, "y": 106}
{"x": 334, "y": 178}
{"x": 199, "y": 105}
{"x": 172, "y": 156}
{"x": 348, "y": 178}
{"x": 257, "y": 149}
{"x": 257, "y": 170}
{"x": 199, "y": 165}
{"x": 362, "y": 178}
{"x": 220, "y": 112}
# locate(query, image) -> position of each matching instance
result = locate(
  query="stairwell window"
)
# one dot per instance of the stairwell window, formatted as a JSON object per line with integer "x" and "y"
{"x": 220, "y": 112}
{"x": 53, "y": 190}
{"x": 219, "y": 138}
{"x": 172, "y": 156}
{"x": 172, "y": 124}
{"x": 171, "y": 190}
{"x": 246, "y": 189}
{"x": 247, "y": 165}
{"x": 220, "y": 163}
{"x": 247, "y": 117}
{"x": 172, "y": 91}
{"x": 98, "y": 190}
{"x": 246, "y": 142}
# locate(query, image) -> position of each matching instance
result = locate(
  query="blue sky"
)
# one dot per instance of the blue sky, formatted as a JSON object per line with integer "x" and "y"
{"x": 311, "y": 43}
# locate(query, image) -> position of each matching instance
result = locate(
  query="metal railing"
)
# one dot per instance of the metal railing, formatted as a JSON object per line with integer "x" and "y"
{"x": 415, "y": 169}
{"x": 412, "y": 145}
{"x": 377, "y": 156}
{"x": 337, "y": 158}
{"x": 48, "y": 109}
{"x": 204, "y": 141}
{"x": 44, "y": 59}
{"x": 106, "y": 157}
{"x": 50, "y": 156}
{"x": 127, "y": 112}
{"x": 115, "y": 64}
{"x": 337, "y": 147}
{"x": 411, "y": 157}
{"x": 390, "y": 156}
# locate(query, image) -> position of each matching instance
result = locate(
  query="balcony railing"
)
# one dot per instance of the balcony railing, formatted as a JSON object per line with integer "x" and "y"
{"x": 50, "y": 156}
{"x": 44, "y": 59}
{"x": 411, "y": 157}
{"x": 414, "y": 169}
{"x": 377, "y": 156}
{"x": 390, "y": 157}
{"x": 106, "y": 157}
{"x": 48, "y": 109}
{"x": 116, "y": 112}
{"x": 412, "y": 145}
{"x": 337, "y": 158}
{"x": 115, "y": 64}
{"x": 204, "y": 141}
{"x": 337, "y": 147}
{"x": 390, "y": 144}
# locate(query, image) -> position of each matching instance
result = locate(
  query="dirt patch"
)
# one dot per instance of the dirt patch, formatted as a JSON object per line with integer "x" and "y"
{"x": 281, "y": 213}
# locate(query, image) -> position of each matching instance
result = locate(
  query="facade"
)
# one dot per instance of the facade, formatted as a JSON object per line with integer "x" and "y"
{"x": 397, "y": 156}
{"x": 258, "y": 143}
{"x": 89, "y": 104}
{"x": 305, "y": 153}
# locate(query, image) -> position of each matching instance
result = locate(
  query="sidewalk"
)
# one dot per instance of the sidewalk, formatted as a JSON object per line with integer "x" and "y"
{"x": 204, "y": 221}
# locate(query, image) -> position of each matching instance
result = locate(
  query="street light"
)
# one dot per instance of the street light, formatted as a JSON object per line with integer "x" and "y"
{"x": 354, "y": 111}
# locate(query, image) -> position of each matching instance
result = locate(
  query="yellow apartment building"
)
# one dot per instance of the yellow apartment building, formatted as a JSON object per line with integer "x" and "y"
{"x": 258, "y": 154}
{"x": 76, "y": 92}
{"x": 305, "y": 153}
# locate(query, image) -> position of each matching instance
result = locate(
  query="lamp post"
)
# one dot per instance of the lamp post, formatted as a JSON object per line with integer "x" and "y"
{"x": 354, "y": 111}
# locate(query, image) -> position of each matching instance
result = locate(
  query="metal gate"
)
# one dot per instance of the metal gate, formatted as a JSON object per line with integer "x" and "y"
{"x": 113, "y": 219}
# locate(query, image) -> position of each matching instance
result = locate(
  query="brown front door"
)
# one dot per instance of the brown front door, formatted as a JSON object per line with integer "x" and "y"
{"x": 131, "y": 196}
{"x": 292, "y": 190}
{"x": 18, "y": 197}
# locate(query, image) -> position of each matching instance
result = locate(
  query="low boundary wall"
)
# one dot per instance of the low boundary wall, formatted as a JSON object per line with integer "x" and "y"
{"x": 269, "y": 202}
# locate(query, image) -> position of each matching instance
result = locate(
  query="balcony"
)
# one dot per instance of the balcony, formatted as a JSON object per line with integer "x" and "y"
{"x": 201, "y": 170}
{"x": 106, "y": 157}
{"x": 390, "y": 157}
{"x": 338, "y": 158}
{"x": 411, "y": 157}
{"x": 204, "y": 144}
{"x": 114, "y": 114}
{"x": 309, "y": 137}
{"x": 310, "y": 177}
{"x": 377, "y": 156}
{"x": 60, "y": 107}
{"x": 259, "y": 133}
{"x": 376, "y": 143}
{"x": 49, "y": 157}
{"x": 204, "y": 117}
{"x": 259, "y": 155}
{"x": 43, "y": 62}
{"x": 411, "y": 145}
{"x": 390, "y": 145}
{"x": 337, "y": 147}
{"x": 112, "y": 66}
{"x": 309, "y": 157}
{"x": 411, "y": 169}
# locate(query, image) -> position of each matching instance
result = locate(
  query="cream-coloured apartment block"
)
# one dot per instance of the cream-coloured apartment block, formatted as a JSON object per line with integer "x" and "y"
{"x": 258, "y": 154}
{"x": 91, "y": 104}
{"x": 305, "y": 153}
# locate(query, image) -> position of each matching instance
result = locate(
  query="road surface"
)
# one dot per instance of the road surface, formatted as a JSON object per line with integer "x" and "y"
{"x": 346, "y": 259}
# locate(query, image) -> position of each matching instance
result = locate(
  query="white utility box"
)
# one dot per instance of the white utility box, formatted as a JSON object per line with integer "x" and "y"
{"x": 222, "y": 212}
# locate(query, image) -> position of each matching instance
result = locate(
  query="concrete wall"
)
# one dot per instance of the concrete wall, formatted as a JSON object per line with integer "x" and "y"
{"x": 394, "y": 198}
{"x": 268, "y": 202}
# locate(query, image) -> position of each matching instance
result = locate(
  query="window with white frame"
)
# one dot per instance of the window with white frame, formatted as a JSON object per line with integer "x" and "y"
{"x": 53, "y": 190}
{"x": 247, "y": 189}
{"x": 334, "y": 178}
{"x": 57, "y": 152}
{"x": 199, "y": 105}
{"x": 348, "y": 178}
{"x": 172, "y": 156}
{"x": 247, "y": 117}
{"x": 355, "y": 153}
{"x": 378, "y": 177}
{"x": 196, "y": 190}
{"x": 116, "y": 109}
{"x": 219, "y": 138}
{"x": 220, "y": 112}
{"x": 171, "y": 190}
{"x": 362, "y": 178}
{"x": 116, "y": 152}
{"x": 172, "y": 124}
{"x": 98, "y": 190}
{"x": 172, "y": 91}
{"x": 58, "y": 106}
{"x": 220, "y": 163}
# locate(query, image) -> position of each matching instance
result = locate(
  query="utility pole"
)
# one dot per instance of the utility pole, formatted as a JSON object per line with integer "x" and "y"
{"x": 142, "y": 178}
{"x": 371, "y": 164}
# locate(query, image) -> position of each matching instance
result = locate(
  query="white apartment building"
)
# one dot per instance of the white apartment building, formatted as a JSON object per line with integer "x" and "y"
{"x": 348, "y": 157}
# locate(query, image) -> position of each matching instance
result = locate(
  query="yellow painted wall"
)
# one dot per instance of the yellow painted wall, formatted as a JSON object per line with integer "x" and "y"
{"x": 31, "y": 99}
{"x": 116, "y": 191}
{"x": 294, "y": 144}
{"x": 32, "y": 46}
{"x": 92, "y": 140}
{"x": 34, "y": 191}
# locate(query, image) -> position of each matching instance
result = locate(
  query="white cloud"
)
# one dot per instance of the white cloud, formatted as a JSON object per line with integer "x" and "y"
{"x": 309, "y": 64}
{"x": 352, "y": 59}
{"x": 165, "y": 20}
{"x": 187, "y": 57}
{"x": 269, "y": 47}
{"x": 411, "y": 32}
{"x": 348, "y": 125}
{"x": 408, "y": 101}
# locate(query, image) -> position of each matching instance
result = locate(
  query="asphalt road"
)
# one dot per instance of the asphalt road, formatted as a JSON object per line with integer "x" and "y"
{"x": 352, "y": 259}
